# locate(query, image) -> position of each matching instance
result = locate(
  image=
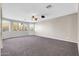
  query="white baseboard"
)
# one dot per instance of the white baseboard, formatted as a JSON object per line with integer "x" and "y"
{"x": 56, "y": 38}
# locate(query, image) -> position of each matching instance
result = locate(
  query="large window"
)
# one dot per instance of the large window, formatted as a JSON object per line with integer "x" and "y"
{"x": 5, "y": 25}
{"x": 17, "y": 26}
{"x": 31, "y": 27}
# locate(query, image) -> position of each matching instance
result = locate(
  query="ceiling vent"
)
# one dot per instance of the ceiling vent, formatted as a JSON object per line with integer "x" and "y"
{"x": 49, "y": 6}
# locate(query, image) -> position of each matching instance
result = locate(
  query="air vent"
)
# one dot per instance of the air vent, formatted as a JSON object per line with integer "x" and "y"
{"x": 49, "y": 6}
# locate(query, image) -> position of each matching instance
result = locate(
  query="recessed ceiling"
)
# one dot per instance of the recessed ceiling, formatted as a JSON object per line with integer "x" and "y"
{"x": 25, "y": 11}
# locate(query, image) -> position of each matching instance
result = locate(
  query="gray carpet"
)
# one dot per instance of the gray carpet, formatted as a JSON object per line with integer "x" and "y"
{"x": 38, "y": 46}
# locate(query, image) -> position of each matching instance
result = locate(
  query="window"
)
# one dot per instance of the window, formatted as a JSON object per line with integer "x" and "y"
{"x": 17, "y": 26}
{"x": 31, "y": 27}
{"x": 25, "y": 27}
{"x": 5, "y": 25}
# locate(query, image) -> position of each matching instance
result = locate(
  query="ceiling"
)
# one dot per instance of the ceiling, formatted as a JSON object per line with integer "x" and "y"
{"x": 25, "y": 11}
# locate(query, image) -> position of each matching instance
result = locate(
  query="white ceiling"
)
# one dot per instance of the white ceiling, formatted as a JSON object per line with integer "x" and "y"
{"x": 24, "y": 11}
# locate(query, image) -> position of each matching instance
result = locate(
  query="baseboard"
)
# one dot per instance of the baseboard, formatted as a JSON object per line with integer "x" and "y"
{"x": 16, "y": 37}
{"x": 57, "y": 38}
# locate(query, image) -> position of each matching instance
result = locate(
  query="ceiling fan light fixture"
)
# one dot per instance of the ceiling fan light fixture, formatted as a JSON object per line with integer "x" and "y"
{"x": 34, "y": 18}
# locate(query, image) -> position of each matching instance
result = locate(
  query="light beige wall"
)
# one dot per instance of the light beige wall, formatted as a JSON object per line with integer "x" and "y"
{"x": 78, "y": 29}
{"x": 0, "y": 29}
{"x": 16, "y": 34}
{"x": 62, "y": 28}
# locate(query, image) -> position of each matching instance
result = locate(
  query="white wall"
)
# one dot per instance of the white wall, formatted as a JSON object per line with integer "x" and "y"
{"x": 0, "y": 25}
{"x": 0, "y": 30}
{"x": 62, "y": 28}
{"x": 13, "y": 34}
{"x": 78, "y": 29}
{"x": 16, "y": 34}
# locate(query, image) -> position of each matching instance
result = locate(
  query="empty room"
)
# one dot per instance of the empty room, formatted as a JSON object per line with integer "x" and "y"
{"x": 39, "y": 29}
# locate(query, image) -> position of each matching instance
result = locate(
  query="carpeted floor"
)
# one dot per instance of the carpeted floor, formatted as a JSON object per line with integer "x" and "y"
{"x": 38, "y": 46}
